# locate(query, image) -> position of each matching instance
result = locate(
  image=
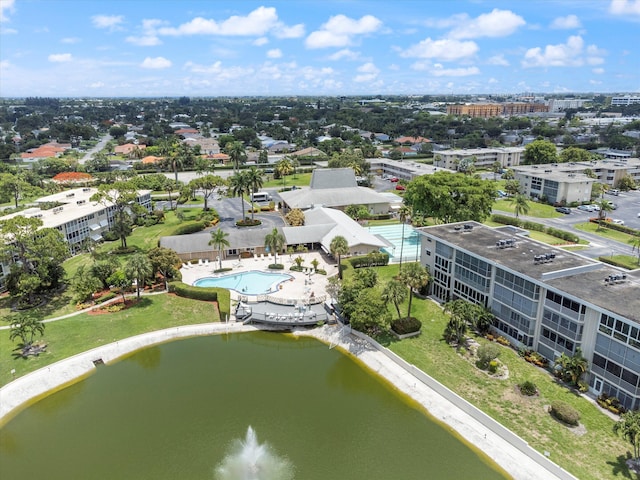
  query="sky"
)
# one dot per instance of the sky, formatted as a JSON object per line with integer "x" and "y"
{"x": 208, "y": 48}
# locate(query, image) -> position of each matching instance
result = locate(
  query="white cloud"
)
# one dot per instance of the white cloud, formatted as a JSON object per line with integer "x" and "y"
{"x": 598, "y": 71}
{"x": 439, "y": 71}
{"x": 149, "y": 36}
{"x": 445, "y": 49}
{"x": 625, "y": 7}
{"x": 282, "y": 31}
{"x": 595, "y": 82}
{"x": 497, "y": 23}
{"x": 344, "y": 54}
{"x": 60, "y": 57}
{"x": 8, "y": 31}
{"x": 156, "y": 63}
{"x": 566, "y": 23}
{"x": 5, "y": 64}
{"x": 70, "y": 40}
{"x": 6, "y": 6}
{"x": 144, "y": 41}
{"x": 217, "y": 71}
{"x": 570, "y": 54}
{"x": 110, "y": 22}
{"x": 258, "y": 42}
{"x": 274, "y": 53}
{"x": 340, "y": 30}
{"x": 368, "y": 72}
{"x": 97, "y": 85}
{"x": 493, "y": 81}
{"x": 258, "y": 23}
{"x": 498, "y": 60}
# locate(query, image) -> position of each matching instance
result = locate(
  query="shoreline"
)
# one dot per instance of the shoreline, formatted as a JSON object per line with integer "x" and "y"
{"x": 472, "y": 426}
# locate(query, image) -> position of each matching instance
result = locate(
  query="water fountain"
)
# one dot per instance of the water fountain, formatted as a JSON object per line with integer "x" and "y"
{"x": 249, "y": 460}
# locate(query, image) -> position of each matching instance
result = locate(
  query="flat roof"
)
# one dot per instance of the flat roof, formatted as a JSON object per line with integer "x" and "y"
{"x": 568, "y": 272}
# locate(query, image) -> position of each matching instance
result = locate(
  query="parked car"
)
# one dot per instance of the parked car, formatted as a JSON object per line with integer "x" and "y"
{"x": 565, "y": 210}
{"x": 595, "y": 208}
{"x": 502, "y": 193}
{"x": 614, "y": 206}
{"x": 394, "y": 179}
{"x": 585, "y": 208}
{"x": 400, "y": 187}
{"x": 617, "y": 221}
{"x": 613, "y": 191}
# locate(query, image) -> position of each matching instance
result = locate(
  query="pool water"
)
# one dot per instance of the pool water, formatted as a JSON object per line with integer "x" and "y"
{"x": 393, "y": 234}
{"x": 249, "y": 283}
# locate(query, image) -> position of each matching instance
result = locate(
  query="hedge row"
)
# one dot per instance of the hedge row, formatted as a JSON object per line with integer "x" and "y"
{"x": 613, "y": 262}
{"x": 190, "y": 228}
{"x": 536, "y": 227}
{"x": 615, "y": 226}
{"x": 207, "y": 294}
{"x": 373, "y": 259}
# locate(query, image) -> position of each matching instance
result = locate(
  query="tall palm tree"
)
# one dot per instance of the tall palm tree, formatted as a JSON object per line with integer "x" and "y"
{"x": 182, "y": 157}
{"x": 629, "y": 427}
{"x": 275, "y": 242}
{"x": 605, "y": 207}
{"x": 403, "y": 213}
{"x": 219, "y": 240}
{"x": 635, "y": 244}
{"x": 520, "y": 204}
{"x": 236, "y": 151}
{"x": 338, "y": 247}
{"x": 255, "y": 182}
{"x": 284, "y": 168}
{"x": 414, "y": 276}
{"x": 25, "y": 328}
{"x": 139, "y": 268}
{"x": 394, "y": 292}
{"x": 238, "y": 184}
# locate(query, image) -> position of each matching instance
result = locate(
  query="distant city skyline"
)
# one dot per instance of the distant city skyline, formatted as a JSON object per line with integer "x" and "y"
{"x": 145, "y": 48}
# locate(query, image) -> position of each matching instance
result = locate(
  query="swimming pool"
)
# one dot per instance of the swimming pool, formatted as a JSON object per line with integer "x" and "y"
{"x": 393, "y": 234}
{"x": 249, "y": 283}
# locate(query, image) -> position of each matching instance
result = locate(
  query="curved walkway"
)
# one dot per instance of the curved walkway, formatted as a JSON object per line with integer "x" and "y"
{"x": 502, "y": 446}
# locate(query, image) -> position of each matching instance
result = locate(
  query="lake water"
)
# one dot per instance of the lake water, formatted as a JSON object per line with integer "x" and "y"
{"x": 173, "y": 412}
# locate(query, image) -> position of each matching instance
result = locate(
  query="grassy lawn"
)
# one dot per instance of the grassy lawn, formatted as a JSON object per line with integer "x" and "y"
{"x": 596, "y": 454}
{"x": 539, "y": 210}
{"x": 627, "y": 261}
{"x": 71, "y": 336}
{"x": 299, "y": 180}
{"x": 604, "y": 232}
{"x": 574, "y": 248}
{"x": 388, "y": 221}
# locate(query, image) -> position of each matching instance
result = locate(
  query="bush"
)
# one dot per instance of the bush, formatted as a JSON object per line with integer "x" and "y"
{"x": 106, "y": 296}
{"x": 493, "y": 366}
{"x": 110, "y": 236}
{"x": 373, "y": 259}
{"x": 403, "y": 326}
{"x": 190, "y": 228}
{"x": 276, "y": 266}
{"x": 486, "y": 353}
{"x": 564, "y": 412}
{"x": 528, "y": 388}
{"x": 247, "y": 222}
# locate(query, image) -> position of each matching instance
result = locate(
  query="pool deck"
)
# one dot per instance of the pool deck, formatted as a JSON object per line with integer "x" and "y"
{"x": 299, "y": 289}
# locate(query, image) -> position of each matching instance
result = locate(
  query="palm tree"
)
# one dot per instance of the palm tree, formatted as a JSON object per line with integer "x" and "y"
{"x": 394, "y": 292}
{"x": 239, "y": 184}
{"x": 577, "y": 366}
{"x": 497, "y": 168}
{"x": 25, "y": 328}
{"x": 629, "y": 427}
{"x": 455, "y": 330}
{"x": 139, "y": 268}
{"x": 284, "y": 168}
{"x": 170, "y": 186}
{"x": 182, "y": 157}
{"x": 219, "y": 240}
{"x": 338, "y": 247}
{"x": 275, "y": 242}
{"x": 414, "y": 276}
{"x": 403, "y": 213}
{"x": 236, "y": 151}
{"x": 483, "y": 319}
{"x": 635, "y": 243}
{"x": 520, "y": 204}
{"x": 605, "y": 207}
{"x": 254, "y": 181}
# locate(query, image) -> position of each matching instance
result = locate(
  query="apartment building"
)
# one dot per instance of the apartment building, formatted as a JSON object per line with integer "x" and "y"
{"x": 76, "y": 215}
{"x": 625, "y": 100}
{"x": 487, "y": 110}
{"x": 405, "y": 169}
{"x": 482, "y": 157}
{"x": 554, "y": 185}
{"x": 544, "y": 298}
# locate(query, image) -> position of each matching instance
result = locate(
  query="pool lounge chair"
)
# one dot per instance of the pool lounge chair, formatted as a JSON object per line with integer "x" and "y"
{"x": 185, "y": 265}
{"x": 199, "y": 261}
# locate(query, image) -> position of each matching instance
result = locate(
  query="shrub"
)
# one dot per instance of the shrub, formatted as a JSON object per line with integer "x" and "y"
{"x": 486, "y": 353}
{"x": 373, "y": 259}
{"x": 106, "y": 296}
{"x": 190, "y": 228}
{"x": 276, "y": 266}
{"x": 528, "y": 388}
{"x": 564, "y": 412}
{"x": 110, "y": 236}
{"x": 402, "y": 326}
{"x": 247, "y": 222}
{"x": 493, "y": 366}
{"x": 583, "y": 386}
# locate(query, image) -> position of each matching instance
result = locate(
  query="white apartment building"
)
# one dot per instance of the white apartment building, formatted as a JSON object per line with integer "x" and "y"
{"x": 483, "y": 157}
{"x": 405, "y": 169}
{"x": 554, "y": 185}
{"x": 544, "y": 298}
{"x": 625, "y": 100}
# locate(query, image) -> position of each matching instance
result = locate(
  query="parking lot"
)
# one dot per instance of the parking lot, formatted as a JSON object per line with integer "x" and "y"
{"x": 628, "y": 208}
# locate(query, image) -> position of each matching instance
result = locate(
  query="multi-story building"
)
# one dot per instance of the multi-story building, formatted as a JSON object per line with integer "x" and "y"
{"x": 73, "y": 213}
{"x": 487, "y": 110}
{"x": 625, "y": 100}
{"x": 482, "y": 157}
{"x": 561, "y": 104}
{"x": 554, "y": 186}
{"x": 544, "y": 298}
{"x": 405, "y": 169}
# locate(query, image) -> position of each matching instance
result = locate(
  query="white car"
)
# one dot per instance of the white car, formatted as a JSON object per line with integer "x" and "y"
{"x": 617, "y": 221}
{"x": 585, "y": 208}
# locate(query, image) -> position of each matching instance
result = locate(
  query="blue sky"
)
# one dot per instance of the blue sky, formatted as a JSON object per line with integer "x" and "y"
{"x": 99, "y": 48}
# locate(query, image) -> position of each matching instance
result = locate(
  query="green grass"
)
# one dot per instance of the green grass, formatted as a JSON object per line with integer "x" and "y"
{"x": 604, "y": 232}
{"x": 539, "y": 210}
{"x": 299, "y": 180}
{"x": 595, "y": 455}
{"x": 626, "y": 261}
{"x": 74, "y": 335}
{"x": 388, "y": 221}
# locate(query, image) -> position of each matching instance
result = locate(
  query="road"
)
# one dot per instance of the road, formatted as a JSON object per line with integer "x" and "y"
{"x": 99, "y": 146}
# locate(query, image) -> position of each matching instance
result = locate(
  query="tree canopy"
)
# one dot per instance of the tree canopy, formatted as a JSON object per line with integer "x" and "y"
{"x": 451, "y": 197}
{"x": 540, "y": 151}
